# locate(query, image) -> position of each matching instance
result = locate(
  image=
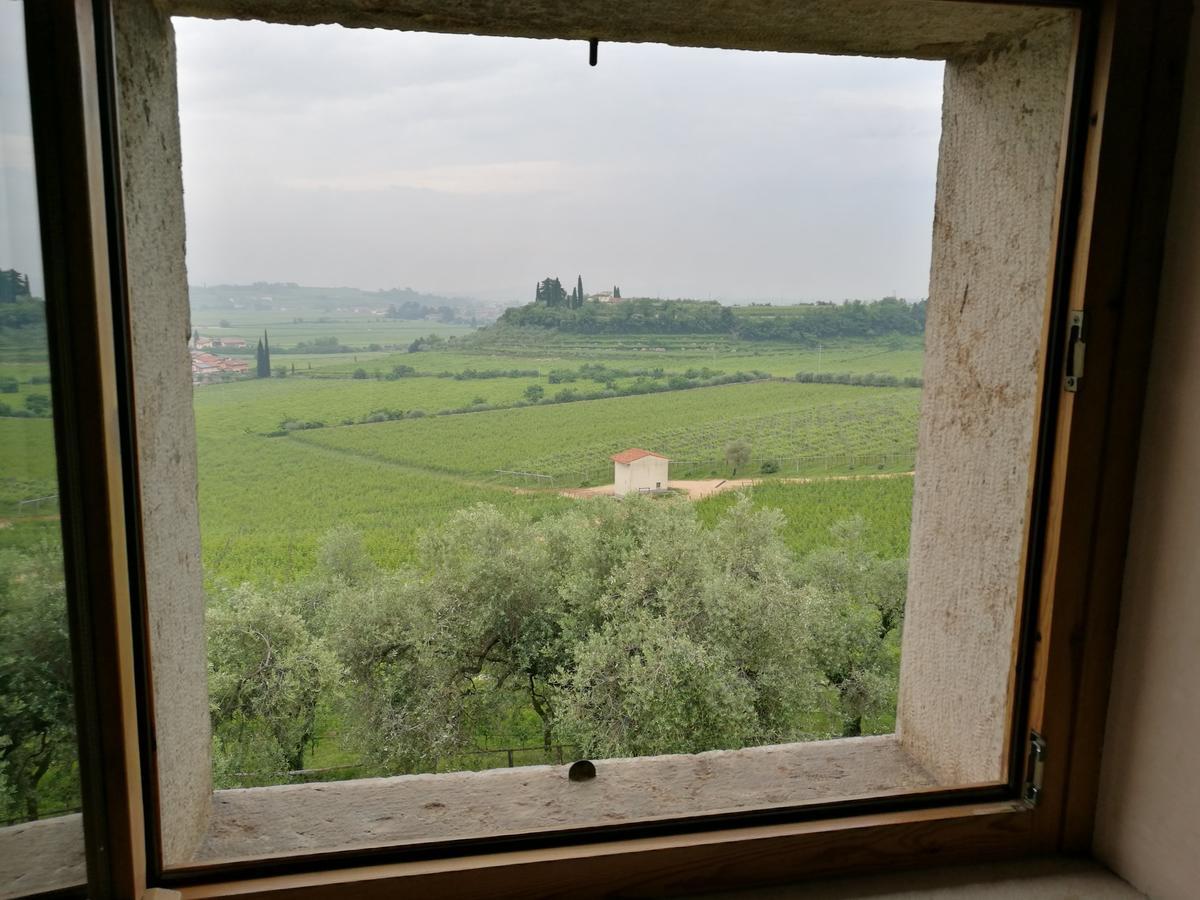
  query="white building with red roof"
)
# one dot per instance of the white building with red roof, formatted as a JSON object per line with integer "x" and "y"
{"x": 637, "y": 471}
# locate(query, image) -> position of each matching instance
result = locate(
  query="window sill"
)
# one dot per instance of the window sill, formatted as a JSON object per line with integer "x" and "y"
{"x": 46, "y": 855}
{"x": 332, "y": 816}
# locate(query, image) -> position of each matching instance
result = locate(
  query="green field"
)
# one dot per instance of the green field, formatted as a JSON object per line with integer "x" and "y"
{"x": 801, "y": 425}
{"x": 265, "y": 501}
{"x": 811, "y": 509}
{"x": 269, "y": 491}
{"x": 27, "y": 473}
{"x": 901, "y": 357}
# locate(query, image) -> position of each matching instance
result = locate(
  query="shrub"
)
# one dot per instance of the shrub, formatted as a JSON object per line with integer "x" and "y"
{"x": 769, "y": 467}
{"x": 37, "y": 404}
{"x": 360, "y": 374}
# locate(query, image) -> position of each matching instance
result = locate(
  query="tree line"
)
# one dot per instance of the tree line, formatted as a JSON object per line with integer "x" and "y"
{"x": 797, "y": 324}
{"x": 14, "y": 286}
{"x": 19, "y": 309}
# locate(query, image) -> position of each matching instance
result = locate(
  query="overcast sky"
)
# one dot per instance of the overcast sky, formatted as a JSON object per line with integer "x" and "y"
{"x": 20, "y": 247}
{"x": 329, "y": 156}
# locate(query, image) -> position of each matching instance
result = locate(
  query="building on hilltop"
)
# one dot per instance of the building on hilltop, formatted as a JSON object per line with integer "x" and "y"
{"x": 637, "y": 471}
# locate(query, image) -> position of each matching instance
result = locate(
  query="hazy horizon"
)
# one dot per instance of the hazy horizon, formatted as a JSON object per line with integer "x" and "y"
{"x": 474, "y": 167}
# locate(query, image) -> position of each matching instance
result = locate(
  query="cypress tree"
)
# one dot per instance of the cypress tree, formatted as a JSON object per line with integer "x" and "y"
{"x": 266, "y": 355}
{"x": 258, "y": 357}
{"x": 579, "y": 289}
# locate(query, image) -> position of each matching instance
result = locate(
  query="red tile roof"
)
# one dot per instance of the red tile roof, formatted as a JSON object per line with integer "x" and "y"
{"x": 633, "y": 454}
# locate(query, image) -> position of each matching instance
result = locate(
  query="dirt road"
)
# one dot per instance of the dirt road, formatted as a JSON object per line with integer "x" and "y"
{"x": 698, "y": 490}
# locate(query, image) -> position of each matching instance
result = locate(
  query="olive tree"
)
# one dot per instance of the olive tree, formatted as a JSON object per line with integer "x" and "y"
{"x": 626, "y": 628}
{"x": 854, "y": 603}
{"x": 737, "y": 455}
{"x": 37, "y": 728}
{"x": 267, "y": 675}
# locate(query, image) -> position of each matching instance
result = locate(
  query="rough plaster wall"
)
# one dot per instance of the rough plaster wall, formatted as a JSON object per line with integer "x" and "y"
{"x": 1148, "y": 815}
{"x": 1055, "y": 878}
{"x": 929, "y": 29}
{"x": 153, "y": 196}
{"x": 1002, "y": 120}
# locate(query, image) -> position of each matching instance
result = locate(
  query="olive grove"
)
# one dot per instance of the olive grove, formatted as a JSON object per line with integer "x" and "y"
{"x": 616, "y": 629}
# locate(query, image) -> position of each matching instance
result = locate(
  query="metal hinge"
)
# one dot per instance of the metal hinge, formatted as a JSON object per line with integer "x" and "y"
{"x": 1076, "y": 345}
{"x": 1032, "y": 791}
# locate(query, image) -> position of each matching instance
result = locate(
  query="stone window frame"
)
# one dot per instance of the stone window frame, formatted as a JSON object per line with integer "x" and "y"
{"x": 1119, "y": 212}
{"x": 1006, "y": 103}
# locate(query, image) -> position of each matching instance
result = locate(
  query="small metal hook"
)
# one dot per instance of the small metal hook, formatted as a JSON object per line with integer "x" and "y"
{"x": 593, "y": 51}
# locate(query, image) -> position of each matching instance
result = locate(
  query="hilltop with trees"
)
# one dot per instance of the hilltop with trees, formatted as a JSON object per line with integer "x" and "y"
{"x": 19, "y": 309}
{"x": 553, "y": 308}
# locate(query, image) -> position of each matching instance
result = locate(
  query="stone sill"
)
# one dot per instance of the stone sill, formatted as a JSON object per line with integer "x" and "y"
{"x": 348, "y": 815}
{"x": 41, "y": 856}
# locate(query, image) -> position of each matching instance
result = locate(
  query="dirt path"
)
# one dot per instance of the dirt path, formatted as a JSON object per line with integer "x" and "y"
{"x": 698, "y": 490}
{"x": 9, "y": 523}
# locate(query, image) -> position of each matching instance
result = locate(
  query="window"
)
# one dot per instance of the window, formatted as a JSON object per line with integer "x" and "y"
{"x": 428, "y": 684}
{"x": 39, "y": 771}
{"x": 166, "y": 476}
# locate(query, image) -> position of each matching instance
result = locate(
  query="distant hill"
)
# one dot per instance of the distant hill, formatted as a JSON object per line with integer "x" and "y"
{"x": 794, "y": 323}
{"x": 330, "y": 301}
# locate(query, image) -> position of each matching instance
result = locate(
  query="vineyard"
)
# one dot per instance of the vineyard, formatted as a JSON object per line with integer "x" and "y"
{"x": 901, "y": 357}
{"x": 265, "y": 501}
{"x": 27, "y": 478}
{"x": 800, "y": 426}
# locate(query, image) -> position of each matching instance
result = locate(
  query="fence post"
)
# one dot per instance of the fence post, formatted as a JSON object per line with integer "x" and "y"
{"x": 510, "y": 757}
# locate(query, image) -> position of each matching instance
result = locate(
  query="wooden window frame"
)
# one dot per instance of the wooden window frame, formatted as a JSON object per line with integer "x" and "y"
{"x": 1117, "y": 186}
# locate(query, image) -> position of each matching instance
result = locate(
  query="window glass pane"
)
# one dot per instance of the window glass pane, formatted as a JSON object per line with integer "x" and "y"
{"x": 41, "y": 838}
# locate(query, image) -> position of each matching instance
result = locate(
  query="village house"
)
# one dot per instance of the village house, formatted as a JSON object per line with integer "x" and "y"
{"x": 637, "y": 471}
{"x": 207, "y": 367}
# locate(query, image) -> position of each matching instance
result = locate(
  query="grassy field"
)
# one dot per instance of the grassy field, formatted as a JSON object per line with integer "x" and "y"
{"x": 901, "y": 357}
{"x": 801, "y": 425}
{"x": 812, "y": 509}
{"x": 260, "y": 404}
{"x": 265, "y": 501}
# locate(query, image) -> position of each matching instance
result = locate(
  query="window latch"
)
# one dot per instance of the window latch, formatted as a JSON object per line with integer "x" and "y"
{"x": 1031, "y": 793}
{"x": 1076, "y": 345}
